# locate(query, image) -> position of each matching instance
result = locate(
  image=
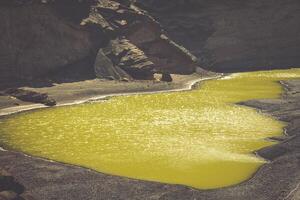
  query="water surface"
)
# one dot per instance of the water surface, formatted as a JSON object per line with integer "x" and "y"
{"x": 197, "y": 138}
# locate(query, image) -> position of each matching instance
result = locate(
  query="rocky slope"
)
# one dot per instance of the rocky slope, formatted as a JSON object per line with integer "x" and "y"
{"x": 83, "y": 39}
{"x": 233, "y": 35}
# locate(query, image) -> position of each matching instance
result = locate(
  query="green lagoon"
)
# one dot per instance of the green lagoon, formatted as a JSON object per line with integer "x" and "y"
{"x": 199, "y": 138}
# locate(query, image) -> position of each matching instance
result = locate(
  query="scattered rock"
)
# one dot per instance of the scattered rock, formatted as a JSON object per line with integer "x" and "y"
{"x": 49, "y": 102}
{"x": 9, "y": 188}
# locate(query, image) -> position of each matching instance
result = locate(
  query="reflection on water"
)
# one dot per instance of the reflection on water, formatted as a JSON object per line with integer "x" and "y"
{"x": 197, "y": 138}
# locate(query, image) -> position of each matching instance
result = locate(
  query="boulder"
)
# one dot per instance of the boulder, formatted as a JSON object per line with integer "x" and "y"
{"x": 166, "y": 77}
{"x": 9, "y": 188}
{"x": 30, "y": 96}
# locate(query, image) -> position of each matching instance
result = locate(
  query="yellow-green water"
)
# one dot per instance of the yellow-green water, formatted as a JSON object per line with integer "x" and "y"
{"x": 197, "y": 138}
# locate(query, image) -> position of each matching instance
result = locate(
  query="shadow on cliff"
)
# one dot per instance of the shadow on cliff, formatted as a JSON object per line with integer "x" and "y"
{"x": 233, "y": 35}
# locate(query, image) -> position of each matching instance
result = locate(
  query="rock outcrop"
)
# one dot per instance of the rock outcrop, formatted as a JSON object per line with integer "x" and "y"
{"x": 125, "y": 61}
{"x": 29, "y": 96}
{"x": 233, "y": 35}
{"x": 42, "y": 37}
{"x": 151, "y": 50}
{"x": 105, "y": 68}
{"x": 166, "y": 77}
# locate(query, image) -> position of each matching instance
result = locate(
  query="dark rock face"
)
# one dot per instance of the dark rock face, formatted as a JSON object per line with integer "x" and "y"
{"x": 40, "y": 37}
{"x": 37, "y": 39}
{"x": 150, "y": 49}
{"x": 233, "y": 35}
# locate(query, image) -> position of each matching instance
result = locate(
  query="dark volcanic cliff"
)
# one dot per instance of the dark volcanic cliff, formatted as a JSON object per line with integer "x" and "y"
{"x": 233, "y": 35}
{"x": 80, "y": 39}
{"x": 83, "y": 39}
{"x": 39, "y": 38}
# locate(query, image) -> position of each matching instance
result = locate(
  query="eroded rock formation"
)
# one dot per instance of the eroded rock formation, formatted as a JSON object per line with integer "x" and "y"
{"x": 124, "y": 58}
{"x": 39, "y": 38}
{"x": 142, "y": 42}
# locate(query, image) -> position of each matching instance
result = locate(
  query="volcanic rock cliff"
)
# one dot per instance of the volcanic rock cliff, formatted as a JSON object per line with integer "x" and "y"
{"x": 79, "y": 39}
{"x": 116, "y": 39}
{"x": 233, "y": 35}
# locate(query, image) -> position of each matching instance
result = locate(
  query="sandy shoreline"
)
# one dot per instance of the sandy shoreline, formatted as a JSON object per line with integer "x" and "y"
{"x": 71, "y": 94}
